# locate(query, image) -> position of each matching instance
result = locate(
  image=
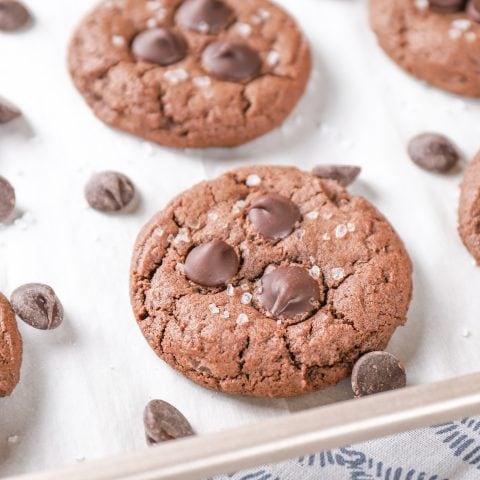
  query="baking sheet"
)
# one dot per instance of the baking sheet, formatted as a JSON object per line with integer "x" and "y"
{"x": 84, "y": 385}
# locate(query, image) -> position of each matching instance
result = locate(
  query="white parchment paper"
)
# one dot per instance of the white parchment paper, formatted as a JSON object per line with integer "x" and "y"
{"x": 84, "y": 385}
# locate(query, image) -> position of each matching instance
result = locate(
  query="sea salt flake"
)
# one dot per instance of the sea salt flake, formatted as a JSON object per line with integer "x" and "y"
{"x": 202, "y": 82}
{"x": 176, "y": 76}
{"x": 153, "y": 5}
{"x": 182, "y": 236}
{"x": 213, "y": 308}
{"x": 312, "y": 215}
{"x": 237, "y": 206}
{"x": 462, "y": 24}
{"x": 225, "y": 314}
{"x": 327, "y": 215}
{"x": 350, "y": 227}
{"x": 263, "y": 13}
{"x": 12, "y": 439}
{"x": 471, "y": 36}
{"x": 421, "y": 4}
{"x": 315, "y": 271}
{"x": 326, "y": 236}
{"x": 273, "y": 58}
{"x": 253, "y": 180}
{"x": 338, "y": 273}
{"x": 340, "y": 231}
{"x": 454, "y": 33}
{"x": 118, "y": 41}
{"x": 246, "y": 298}
{"x": 230, "y": 290}
{"x": 202, "y": 27}
{"x": 212, "y": 216}
{"x": 245, "y": 287}
{"x": 242, "y": 318}
{"x": 152, "y": 23}
{"x": 243, "y": 29}
{"x": 255, "y": 19}
{"x": 180, "y": 267}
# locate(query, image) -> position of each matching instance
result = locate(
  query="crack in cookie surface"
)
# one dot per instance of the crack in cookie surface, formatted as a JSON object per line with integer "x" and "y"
{"x": 214, "y": 338}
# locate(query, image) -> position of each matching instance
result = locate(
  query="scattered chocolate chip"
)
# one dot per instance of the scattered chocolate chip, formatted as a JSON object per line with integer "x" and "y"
{"x": 13, "y": 15}
{"x": 160, "y": 46}
{"x": 274, "y": 216}
{"x": 164, "y": 422}
{"x": 447, "y": 5}
{"x": 8, "y": 112}
{"x": 7, "y": 199}
{"x": 37, "y": 305}
{"x": 343, "y": 174}
{"x": 109, "y": 191}
{"x": 377, "y": 372}
{"x": 473, "y": 10}
{"x": 288, "y": 292}
{"x": 211, "y": 264}
{"x": 433, "y": 152}
{"x": 231, "y": 61}
{"x": 204, "y": 16}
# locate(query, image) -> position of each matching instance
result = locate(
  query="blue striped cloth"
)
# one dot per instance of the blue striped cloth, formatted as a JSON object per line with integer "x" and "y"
{"x": 450, "y": 451}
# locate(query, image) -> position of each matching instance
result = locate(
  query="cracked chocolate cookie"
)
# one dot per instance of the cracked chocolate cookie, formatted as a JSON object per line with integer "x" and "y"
{"x": 268, "y": 281}
{"x": 192, "y": 73}
{"x": 10, "y": 348}
{"x": 437, "y": 40}
{"x": 469, "y": 209}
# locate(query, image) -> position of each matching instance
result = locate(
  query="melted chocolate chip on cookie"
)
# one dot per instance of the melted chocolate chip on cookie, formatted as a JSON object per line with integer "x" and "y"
{"x": 231, "y": 61}
{"x": 447, "y": 5}
{"x": 288, "y": 292}
{"x": 274, "y": 216}
{"x": 204, "y": 16}
{"x": 473, "y": 10}
{"x": 160, "y": 46}
{"x": 211, "y": 264}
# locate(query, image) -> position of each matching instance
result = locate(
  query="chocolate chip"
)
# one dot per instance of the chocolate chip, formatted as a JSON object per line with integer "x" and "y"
{"x": 433, "y": 152}
{"x": 204, "y": 16}
{"x": 447, "y": 5}
{"x": 13, "y": 15}
{"x": 8, "y": 112}
{"x": 211, "y": 264}
{"x": 377, "y": 372}
{"x": 109, "y": 191}
{"x": 288, "y": 292}
{"x": 160, "y": 46}
{"x": 7, "y": 199}
{"x": 164, "y": 422}
{"x": 343, "y": 174}
{"x": 473, "y": 10}
{"x": 231, "y": 61}
{"x": 37, "y": 305}
{"x": 274, "y": 216}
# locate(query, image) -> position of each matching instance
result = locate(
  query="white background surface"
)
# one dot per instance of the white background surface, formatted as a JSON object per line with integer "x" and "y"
{"x": 84, "y": 385}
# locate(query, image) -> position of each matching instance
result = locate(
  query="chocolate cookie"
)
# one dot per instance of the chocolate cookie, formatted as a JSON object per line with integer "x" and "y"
{"x": 437, "y": 41}
{"x": 192, "y": 73}
{"x": 10, "y": 349}
{"x": 268, "y": 281}
{"x": 469, "y": 209}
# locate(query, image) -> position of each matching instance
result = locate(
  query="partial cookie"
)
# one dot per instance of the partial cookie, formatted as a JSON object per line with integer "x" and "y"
{"x": 469, "y": 209}
{"x": 193, "y": 73}
{"x": 268, "y": 281}
{"x": 10, "y": 349}
{"x": 437, "y": 44}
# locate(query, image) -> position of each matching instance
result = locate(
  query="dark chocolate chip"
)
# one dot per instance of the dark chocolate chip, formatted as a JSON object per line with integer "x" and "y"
{"x": 377, "y": 372}
{"x": 109, "y": 191}
{"x": 37, "y": 305}
{"x": 274, "y": 216}
{"x": 211, "y": 264}
{"x": 447, "y": 5}
{"x": 13, "y": 15}
{"x": 231, "y": 61}
{"x": 433, "y": 152}
{"x": 8, "y": 112}
{"x": 288, "y": 292}
{"x": 164, "y": 422}
{"x": 204, "y": 16}
{"x": 343, "y": 174}
{"x": 160, "y": 46}
{"x": 473, "y": 10}
{"x": 7, "y": 199}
